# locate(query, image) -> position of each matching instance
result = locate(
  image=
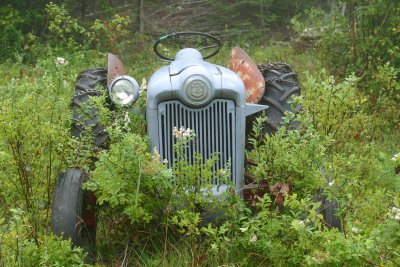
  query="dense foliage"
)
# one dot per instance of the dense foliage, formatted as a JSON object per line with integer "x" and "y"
{"x": 346, "y": 148}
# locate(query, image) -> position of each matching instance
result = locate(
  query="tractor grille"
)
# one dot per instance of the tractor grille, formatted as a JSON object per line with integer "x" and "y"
{"x": 213, "y": 124}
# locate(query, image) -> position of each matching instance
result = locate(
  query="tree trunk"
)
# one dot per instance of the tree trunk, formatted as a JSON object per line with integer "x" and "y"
{"x": 140, "y": 17}
{"x": 83, "y": 8}
{"x": 353, "y": 29}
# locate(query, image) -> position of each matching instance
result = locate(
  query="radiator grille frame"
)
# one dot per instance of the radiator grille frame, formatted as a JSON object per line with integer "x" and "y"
{"x": 215, "y": 128}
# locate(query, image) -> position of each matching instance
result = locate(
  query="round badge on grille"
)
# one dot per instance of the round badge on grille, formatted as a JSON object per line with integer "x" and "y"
{"x": 197, "y": 89}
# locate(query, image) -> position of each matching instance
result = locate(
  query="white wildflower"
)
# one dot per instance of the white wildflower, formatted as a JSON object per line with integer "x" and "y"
{"x": 126, "y": 118}
{"x": 60, "y": 61}
{"x": 165, "y": 161}
{"x": 182, "y": 132}
{"x": 331, "y": 183}
{"x": 156, "y": 156}
{"x": 177, "y": 133}
{"x": 243, "y": 229}
{"x": 394, "y": 213}
{"x": 253, "y": 239}
{"x": 222, "y": 172}
{"x": 143, "y": 86}
{"x": 187, "y": 132}
{"x": 396, "y": 157}
{"x": 356, "y": 230}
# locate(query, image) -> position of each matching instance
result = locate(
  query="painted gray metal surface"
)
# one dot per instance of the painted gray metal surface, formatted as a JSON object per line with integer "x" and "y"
{"x": 167, "y": 107}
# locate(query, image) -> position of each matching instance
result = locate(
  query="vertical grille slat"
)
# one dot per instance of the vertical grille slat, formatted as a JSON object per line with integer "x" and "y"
{"x": 169, "y": 133}
{"x": 232, "y": 137}
{"x": 176, "y": 118}
{"x": 213, "y": 124}
{"x": 225, "y": 131}
{"x": 208, "y": 132}
{"x": 217, "y": 135}
{"x": 162, "y": 121}
{"x": 229, "y": 140}
{"x": 191, "y": 146}
{"x": 212, "y": 131}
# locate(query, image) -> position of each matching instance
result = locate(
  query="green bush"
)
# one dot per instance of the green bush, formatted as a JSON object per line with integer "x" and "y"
{"x": 18, "y": 248}
{"x": 295, "y": 156}
{"x": 336, "y": 109}
{"x": 35, "y": 143}
{"x": 384, "y": 90}
{"x": 11, "y": 37}
{"x": 64, "y": 30}
{"x": 356, "y": 36}
{"x": 109, "y": 35}
{"x": 131, "y": 179}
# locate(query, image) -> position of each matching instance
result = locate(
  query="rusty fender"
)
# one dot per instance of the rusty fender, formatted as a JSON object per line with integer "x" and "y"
{"x": 247, "y": 70}
{"x": 115, "y": 68}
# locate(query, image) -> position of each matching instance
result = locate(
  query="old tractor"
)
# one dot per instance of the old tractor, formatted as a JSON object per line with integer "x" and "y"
{"x": 190, "y": 92}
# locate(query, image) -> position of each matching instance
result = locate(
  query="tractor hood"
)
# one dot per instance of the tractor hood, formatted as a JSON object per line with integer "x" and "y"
{"x": 190, "y": 57}
{"x": 194, "y": 81}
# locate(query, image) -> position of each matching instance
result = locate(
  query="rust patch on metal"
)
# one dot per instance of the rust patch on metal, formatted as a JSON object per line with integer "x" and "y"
{"x": 90, "y": 213}
{"x": 251, "y": 76}
{"x": 115, "y": 68}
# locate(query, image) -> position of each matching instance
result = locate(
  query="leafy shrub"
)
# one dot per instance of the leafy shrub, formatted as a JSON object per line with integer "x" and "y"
{"x": 335, "y": 108}
{"x": 138, "y": 188}
{"x": 268, "y": 237}
{"x": 18, "y": 248}
{"x": 355, "y": 36}
{"x": 127, "y": 177}
{"x": 11, "y": 37}
{"x": 295, "y": 156}
{"x": 35, "y": 143}
{"x": 63, "y": 29}
{"x": 384, "y": 103}
{"x": 131, "y": 179}
{"x": 295, "y": 236}
{"x": 108, "y": 35}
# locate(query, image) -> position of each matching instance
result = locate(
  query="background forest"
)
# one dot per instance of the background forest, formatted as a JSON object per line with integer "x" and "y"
{"x": 347, "y": 58}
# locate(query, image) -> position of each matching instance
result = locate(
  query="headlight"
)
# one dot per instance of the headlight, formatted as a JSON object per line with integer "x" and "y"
{"x": 124, "y": 90}
{"x": 197, "y": 90}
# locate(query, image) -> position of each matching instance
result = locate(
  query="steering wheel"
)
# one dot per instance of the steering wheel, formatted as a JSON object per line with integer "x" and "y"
{"x": 215, "y": 43}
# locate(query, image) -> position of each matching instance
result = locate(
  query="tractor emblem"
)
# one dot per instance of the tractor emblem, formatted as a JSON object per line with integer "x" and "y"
{"x": 197, "y": 90}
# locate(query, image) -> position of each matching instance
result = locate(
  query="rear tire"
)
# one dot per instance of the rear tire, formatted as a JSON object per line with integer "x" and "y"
{"x": 91, "y": 82}
{"x": 329, "y": 207}
{"x": 72, "y": 216}
{"x": 281, "y": 85}
{"x": 329, "y": 211}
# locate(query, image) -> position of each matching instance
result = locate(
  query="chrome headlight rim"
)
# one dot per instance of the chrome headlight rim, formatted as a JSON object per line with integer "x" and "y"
{"x": 134, "y": 92}
{"x": 197, "y": 90}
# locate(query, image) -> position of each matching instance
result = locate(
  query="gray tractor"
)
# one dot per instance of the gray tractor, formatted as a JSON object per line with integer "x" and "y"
{"x": 190, "y": 92}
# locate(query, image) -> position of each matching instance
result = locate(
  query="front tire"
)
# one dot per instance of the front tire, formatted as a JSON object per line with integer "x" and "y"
{"x": 73, "y": 211}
